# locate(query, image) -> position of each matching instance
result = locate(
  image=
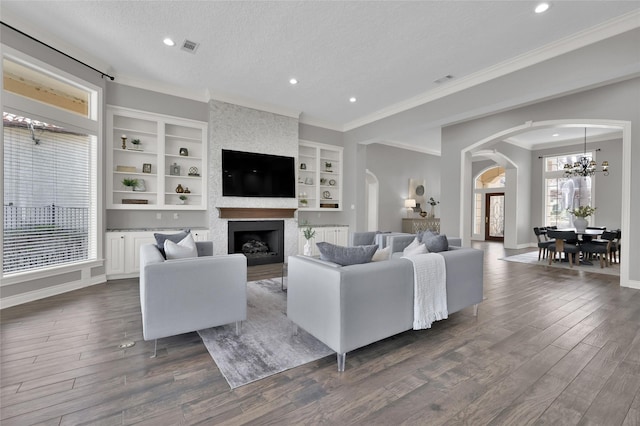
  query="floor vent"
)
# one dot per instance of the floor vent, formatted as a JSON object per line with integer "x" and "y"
{"x": 190, "y": 46}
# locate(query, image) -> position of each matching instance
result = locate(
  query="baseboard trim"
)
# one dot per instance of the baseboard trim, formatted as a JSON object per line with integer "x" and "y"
{"x": 630, "y": 284}
{"x": 31, "y": 296}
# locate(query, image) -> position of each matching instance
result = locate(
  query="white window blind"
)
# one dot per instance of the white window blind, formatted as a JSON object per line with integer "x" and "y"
{"x": 49, "y": 195}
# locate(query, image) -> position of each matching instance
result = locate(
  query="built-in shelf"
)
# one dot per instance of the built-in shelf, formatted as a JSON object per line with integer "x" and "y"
{"x": 172, "y": 151}
{"x": 319, "y": 186}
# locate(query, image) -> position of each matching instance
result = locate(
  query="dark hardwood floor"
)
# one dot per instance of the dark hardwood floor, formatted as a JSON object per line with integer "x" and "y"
{"x": 550, "y": 346}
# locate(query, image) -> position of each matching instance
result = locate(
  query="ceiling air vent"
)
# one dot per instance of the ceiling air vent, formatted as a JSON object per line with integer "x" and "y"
{"x": 190, "y": 46}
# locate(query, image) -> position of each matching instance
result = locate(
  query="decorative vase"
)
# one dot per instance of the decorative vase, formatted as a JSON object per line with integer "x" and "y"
{"x": 432, "y": 213}
{"x": 307, "y": 248}
{"x": 179, "y": 189}
{"x": 580, "y": 223}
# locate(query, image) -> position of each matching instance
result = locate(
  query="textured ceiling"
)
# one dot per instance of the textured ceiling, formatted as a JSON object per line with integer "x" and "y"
{"x": 383, "y": 53}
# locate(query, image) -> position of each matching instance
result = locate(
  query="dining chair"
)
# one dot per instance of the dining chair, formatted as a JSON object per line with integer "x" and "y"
{"x": 593, "y": 247}
{"x": 543, "y": 244}
{"x": 609, "y": 240}
{"x": 560, "y": 245}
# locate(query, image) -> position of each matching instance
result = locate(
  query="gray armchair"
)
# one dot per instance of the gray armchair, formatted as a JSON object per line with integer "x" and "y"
{"x": 184, "y": 295}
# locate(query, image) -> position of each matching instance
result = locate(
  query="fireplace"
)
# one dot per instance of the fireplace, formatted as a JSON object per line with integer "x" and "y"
{"x": 261, "y": 241}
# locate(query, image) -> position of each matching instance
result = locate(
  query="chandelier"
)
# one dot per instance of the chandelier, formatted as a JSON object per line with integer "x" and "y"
{"x": 586, "y": 166}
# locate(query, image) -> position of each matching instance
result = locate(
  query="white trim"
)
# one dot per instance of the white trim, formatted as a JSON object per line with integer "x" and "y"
{"x": 575, "y": 41}
{"x": 50, "y": 271}
{"x": 18, "y": 299}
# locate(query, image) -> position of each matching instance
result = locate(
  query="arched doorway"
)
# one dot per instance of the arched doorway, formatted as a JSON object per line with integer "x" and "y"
{"x": 466, "y": 205}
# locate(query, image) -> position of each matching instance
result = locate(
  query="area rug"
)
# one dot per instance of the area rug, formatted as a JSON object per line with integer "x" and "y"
{"x": 532, "y": 258}
{"x": 266, "y": 345}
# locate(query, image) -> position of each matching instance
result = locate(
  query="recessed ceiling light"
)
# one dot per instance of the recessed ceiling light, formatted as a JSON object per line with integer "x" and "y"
{"x": 168, "y": 42}
{"x": 293, "y": 81}
{"x": 555, "y": 135}
{"x": 352, "y": 99}
{"x": 542, "y": 7}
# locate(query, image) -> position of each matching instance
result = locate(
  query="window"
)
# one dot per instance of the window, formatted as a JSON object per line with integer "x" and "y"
{"x": 50, "y": 185}
{"x": 562, "y": 193}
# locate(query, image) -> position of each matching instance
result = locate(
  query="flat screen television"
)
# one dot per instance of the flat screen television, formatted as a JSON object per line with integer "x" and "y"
{"x": 249, "y": 174}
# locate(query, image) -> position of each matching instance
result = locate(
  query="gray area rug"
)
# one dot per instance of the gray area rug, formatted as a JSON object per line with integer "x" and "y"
{"x": 266, "y": 345}
{"x": 532, "y": 258}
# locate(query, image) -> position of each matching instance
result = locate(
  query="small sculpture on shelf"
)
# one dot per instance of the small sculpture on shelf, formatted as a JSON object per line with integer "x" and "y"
{"x": 179, "y": 189}
{"x": 186, "y": 190}
{"x": 184, "y": 152}
{"x": 193, "y": 171}
{"x": 174, "y": 170}
{"x": 124, "y": 141}
{"x": 327, "y": 166}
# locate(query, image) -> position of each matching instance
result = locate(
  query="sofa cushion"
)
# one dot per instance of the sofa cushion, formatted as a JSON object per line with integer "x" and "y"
{"x": 184, "y": 249}
{"x": 437, "y": 243}
{"x": 382, "y": 254}
{"x": 346, "y": 255}
{"x": 176, "y": 238}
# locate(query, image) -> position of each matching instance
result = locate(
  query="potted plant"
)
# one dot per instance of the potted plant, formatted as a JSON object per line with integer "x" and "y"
{"x": 183, "y": 199}
{"x": 308, "y": 232}
{"x": 580, "y": 214}
{"x": 327, "y": 166}
{"x": 136, "y": 144}
{"x": 304, "y": 202}
{"x": 130, "y": 183}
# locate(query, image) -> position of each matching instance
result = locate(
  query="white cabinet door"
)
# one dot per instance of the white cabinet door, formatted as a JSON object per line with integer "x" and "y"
{"x": 114, "y": 253}
{"x": 134, "y": 241}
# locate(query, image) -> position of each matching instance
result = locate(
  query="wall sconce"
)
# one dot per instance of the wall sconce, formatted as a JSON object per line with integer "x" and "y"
{"x": 409, "y": 204}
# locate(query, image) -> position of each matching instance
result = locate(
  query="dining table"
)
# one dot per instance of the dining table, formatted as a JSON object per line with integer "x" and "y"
{"x": 591, "y": 233}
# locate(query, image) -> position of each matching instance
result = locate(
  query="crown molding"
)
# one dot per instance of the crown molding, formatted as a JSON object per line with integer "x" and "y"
{"x": 611, "y": 28}
{"x": 406, "y": 146}
{"x": 305, "y": 119}
{"x": 253, "y": 104}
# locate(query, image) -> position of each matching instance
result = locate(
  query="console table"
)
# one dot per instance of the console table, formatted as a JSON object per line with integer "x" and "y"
{"x": 413, "y": 225}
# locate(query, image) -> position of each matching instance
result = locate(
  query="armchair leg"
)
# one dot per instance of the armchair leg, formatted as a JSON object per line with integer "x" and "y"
{"x": 294, "y": 329}
{"x": 238, "y": 327}
{"x": 475, "y": 310}
{"x": 155, "y": 348}
{"x": 341, "y": 361}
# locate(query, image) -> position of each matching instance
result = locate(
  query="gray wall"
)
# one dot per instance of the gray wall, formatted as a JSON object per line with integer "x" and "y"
{"x": 394, "y": 167}
{"x": 618, "y": 101}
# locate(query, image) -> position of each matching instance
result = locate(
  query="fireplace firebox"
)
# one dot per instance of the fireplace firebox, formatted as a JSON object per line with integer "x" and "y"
{"x": 261, "y": 241}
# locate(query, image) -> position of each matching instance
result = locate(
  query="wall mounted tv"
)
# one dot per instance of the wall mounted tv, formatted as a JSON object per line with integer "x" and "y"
{"x": 248, "y": 174}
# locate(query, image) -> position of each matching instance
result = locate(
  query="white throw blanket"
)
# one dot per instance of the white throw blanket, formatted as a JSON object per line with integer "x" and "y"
{"x": 430, "y": 290}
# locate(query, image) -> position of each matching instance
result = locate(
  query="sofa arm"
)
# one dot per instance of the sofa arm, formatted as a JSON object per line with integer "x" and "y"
{"x": 179, "y": 296}
{"x": 464, "y": 269}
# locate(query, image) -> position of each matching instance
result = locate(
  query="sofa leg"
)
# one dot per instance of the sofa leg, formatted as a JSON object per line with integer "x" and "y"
{"x": 475, "y": 310}
{"x": 341, "y": 361}
{"x": 155, "y": 348}
{"x": 238, "y": 327}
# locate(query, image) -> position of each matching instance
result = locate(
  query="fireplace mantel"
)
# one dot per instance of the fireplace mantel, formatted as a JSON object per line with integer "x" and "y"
{"x": 254, "y": 213}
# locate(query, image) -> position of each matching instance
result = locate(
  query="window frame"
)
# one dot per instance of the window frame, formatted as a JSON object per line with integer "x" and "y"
{"x": 92, "y": 124}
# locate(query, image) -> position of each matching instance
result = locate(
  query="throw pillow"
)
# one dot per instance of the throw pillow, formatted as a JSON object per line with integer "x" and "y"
{"x": 414, "y": 251}
{"x": 437, "y": 244}
{"x": 414, "y": 244}
{"x": 176, "y": 238}
{"x": 381, "y": 255}
{"x": 186, "y": 248}
{"x": 346, "y": 255}
{"x": 423, "y": 236}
